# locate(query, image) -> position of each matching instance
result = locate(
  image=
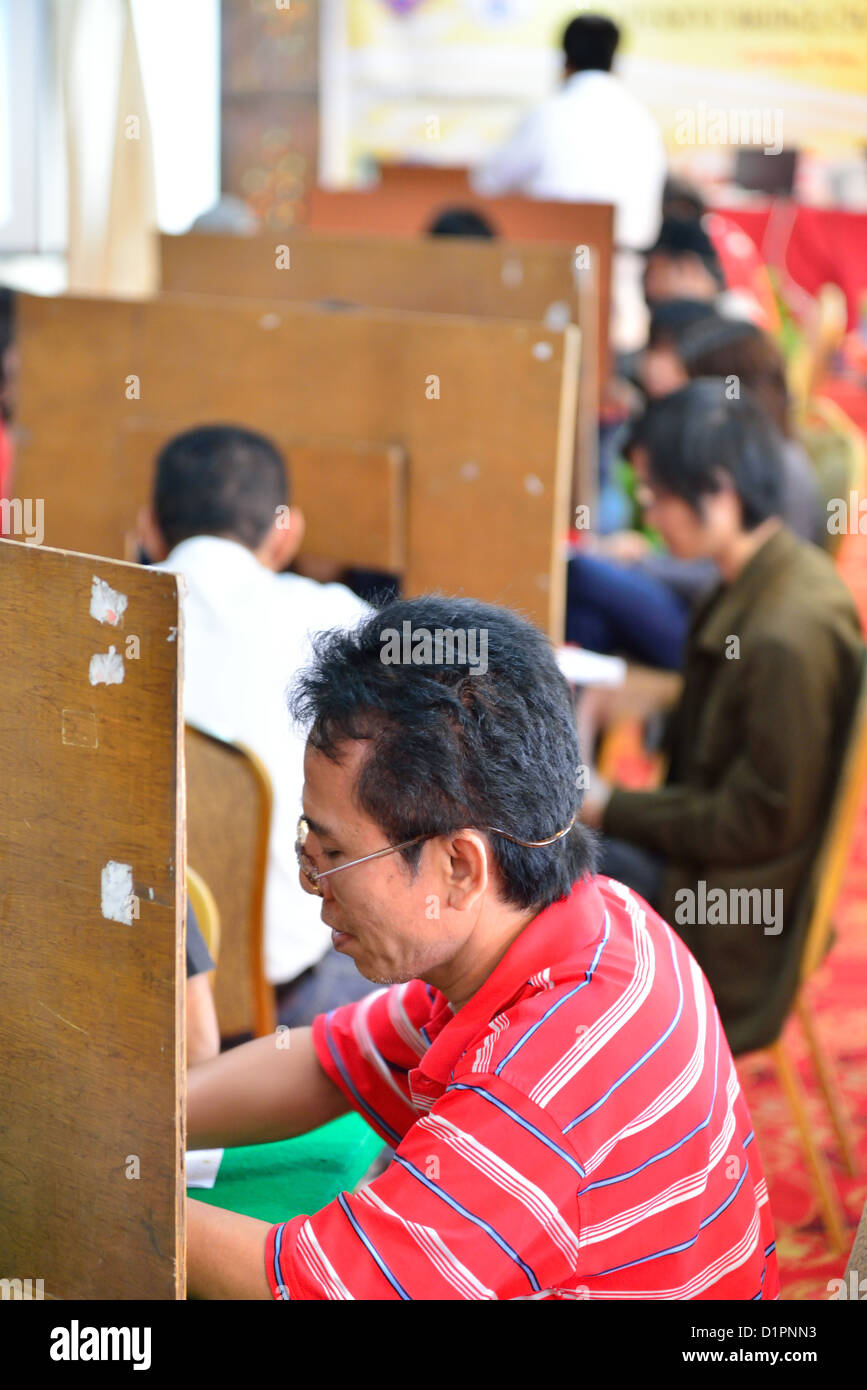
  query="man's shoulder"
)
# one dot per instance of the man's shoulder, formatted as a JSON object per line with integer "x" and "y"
{"x": 565, "y": 1010}
{"x": 320, "y": 605}
{"x": 806, "y": 595}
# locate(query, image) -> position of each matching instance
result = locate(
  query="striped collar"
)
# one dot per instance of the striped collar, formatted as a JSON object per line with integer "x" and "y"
{"x": 559, "y": 937}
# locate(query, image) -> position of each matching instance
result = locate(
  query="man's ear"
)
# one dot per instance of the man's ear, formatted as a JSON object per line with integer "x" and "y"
{"x": 149, "y": 536}
{"x": 467, "y": 869}
{"x": 283, "y": 541}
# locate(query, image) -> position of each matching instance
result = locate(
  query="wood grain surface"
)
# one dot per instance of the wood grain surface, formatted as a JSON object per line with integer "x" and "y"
{"x": 91, "y": 1008}
{"x": 485, "y": 410}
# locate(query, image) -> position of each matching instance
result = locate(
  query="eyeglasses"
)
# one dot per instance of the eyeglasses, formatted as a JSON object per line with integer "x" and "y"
{"x": 314, "y": 876}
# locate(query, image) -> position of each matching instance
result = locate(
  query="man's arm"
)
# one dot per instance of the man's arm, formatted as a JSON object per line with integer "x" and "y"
{"x": 509, "y": 168}
{"x": 225, "y": 1253}
{"x": 259, "y": 1092}
{"x": 203, "y": 1030}
{"x": 765, "y": 805}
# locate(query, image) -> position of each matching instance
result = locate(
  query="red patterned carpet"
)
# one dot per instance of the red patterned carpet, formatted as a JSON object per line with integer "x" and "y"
{"x": 838, "y": 995}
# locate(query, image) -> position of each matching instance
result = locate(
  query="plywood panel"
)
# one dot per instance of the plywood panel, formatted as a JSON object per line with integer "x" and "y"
{"x": 91, "y": 1124}
{"x": 408, "y": 199}
{"x": 452, "y": 275}
{"x": 443, "y": 275}
{"x": 485, "y": 410}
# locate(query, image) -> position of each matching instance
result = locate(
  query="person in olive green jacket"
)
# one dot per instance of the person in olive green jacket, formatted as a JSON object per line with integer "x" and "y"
{"x": 773, "y": 666}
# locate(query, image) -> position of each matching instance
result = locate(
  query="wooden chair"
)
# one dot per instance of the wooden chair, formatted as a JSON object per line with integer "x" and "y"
{"x": 228, "y": 824}
{"x": 204, "y": 905}
{"x": 817, "y": 928}
{"x": 858, "y": 1255}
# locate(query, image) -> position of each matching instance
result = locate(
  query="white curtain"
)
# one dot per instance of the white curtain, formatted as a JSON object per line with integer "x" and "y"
{"x": 112, "y": 248}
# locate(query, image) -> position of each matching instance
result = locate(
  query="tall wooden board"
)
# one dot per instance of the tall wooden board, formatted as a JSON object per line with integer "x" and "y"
{"x": 408, "y": 199}
{"x": 485, "y": 410}
{"x": 91, "y": 966}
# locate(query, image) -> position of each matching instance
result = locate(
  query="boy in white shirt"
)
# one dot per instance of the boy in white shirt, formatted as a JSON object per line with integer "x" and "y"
{"x": 220, "y": 516}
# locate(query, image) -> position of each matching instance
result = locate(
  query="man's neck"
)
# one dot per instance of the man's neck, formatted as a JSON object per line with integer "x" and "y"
{"x": 737, "y": 555}
{"x": 464, "y": 976}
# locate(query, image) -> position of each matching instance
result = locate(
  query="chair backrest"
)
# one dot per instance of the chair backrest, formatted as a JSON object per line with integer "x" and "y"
{"x": 857, "y": 1261}
{"x": 832, "y": 858}
{"x": 204, "y": 905}
{"x": 228, "y": 825}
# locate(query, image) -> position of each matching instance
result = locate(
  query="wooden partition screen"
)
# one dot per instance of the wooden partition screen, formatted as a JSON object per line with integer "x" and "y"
{"x": 408, "y": 199}
{"x": 485, "y": 411}
{"x": 92, "y": 966}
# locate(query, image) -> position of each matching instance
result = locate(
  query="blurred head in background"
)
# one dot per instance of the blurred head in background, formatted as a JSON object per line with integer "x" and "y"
{"x": 682, "y": 265}
{"x": 660, "y": 367}
{"x": 460, "y": 222}
{"x": 589, "y": 44}
{"x": 709, "y": 466}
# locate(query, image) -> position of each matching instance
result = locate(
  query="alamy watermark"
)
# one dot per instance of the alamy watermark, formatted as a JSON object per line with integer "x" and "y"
{"x": 757, "y": 907}
{"x": 701, "y": 124}
{"x": 444, "y": 646}
{"x": 24, "y": 517}
{"x": 23, "y": 1289}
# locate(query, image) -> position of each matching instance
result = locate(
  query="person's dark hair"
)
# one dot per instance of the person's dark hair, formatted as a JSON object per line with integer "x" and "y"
{"x": 452, "y": 749}
{"x": 219, "y": 480}
{"x": 682, "y": 200}
{"x": 590, "y": 42}
{"x": 7, "y": 341}
{"x": 737, "y": 348}
{"x": 698, "y": 437}
{"x": 461, "y": 222}
{"x": 671, "y": 320}
{"x": 680, "y": 237}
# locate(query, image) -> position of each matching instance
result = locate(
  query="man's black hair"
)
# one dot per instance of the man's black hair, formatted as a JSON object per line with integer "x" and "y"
{"x": 219, "y": 480}
{"x": 7, "y": 317}
{"x": 461, "y": 222}
{"x": 682, "y": 200}
{"x": 697, "y": 438}
{"x": 7, "y": 340}
{"x": 590, "y": 42}
{"x": 456, "y": 749}
{"x": 679, "y": 236}
{"x": 672, "y": 319}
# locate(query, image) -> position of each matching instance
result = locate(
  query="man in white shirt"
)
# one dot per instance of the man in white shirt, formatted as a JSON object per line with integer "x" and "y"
{"x": 220, "y": 517}
{"x": 591, "y": 142}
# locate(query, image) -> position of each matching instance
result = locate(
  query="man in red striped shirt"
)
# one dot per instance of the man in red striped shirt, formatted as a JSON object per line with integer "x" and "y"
{"x": 546, "y": 1057}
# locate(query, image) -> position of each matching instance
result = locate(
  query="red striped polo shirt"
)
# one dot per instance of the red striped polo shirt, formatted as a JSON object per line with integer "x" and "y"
{"x": 576, "y": 1130}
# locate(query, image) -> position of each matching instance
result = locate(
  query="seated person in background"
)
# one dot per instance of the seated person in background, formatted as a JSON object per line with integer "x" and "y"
{"x": 220, "y": 517}
{"x": 772, "y": 670}
{"x": 683, "y": 264}
{"x": 746, "y": 275}
{"x": 203, "y": 1030}
{"x": 529, "y": 1053}
{"x": 659, "y": 368}
{"x": 750, "y": 359}
{"x": 461, "y": 222}
{"x": 634, "y": 601}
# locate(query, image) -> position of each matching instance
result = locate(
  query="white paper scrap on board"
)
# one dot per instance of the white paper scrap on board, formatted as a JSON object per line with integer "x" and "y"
{"x": 106, "y": 604}
{"x": 116, "y": 893}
